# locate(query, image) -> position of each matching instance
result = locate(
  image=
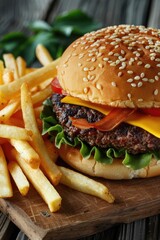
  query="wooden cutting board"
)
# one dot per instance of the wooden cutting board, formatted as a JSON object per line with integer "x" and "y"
{"x": 81, "y": 214}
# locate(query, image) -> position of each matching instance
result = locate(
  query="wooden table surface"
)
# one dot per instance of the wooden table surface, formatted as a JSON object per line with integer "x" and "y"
{"x": 16, "y": 14}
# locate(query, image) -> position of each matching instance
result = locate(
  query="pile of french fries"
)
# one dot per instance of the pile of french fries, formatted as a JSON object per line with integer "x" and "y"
{"x": 26, "y": 156}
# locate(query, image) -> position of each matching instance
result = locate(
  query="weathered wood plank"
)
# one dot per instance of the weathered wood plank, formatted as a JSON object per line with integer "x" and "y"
{"x": 16, "y": 14}
{"x": 110, "y": 12}
{"x": 154, "y": 16}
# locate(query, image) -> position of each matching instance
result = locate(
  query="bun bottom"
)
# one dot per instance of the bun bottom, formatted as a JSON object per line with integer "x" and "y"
{"x": 115, "y": 171}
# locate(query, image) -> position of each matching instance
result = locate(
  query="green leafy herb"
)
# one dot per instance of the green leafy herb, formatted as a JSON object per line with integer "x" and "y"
{"x": 51, "y": 126}
{"x": 55, "y": 36}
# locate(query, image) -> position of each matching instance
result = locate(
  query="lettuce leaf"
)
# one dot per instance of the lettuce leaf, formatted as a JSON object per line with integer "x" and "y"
{"x": 106, "y": 156}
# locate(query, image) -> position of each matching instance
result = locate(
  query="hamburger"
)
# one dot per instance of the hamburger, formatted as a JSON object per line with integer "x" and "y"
{"x": 104, "y": 114}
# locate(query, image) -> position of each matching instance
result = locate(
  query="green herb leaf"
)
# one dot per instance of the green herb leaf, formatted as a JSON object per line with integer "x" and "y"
{"x": 75, "y": 22}
{"x": 56, "y": 36}
{"x": 39, "y": 26}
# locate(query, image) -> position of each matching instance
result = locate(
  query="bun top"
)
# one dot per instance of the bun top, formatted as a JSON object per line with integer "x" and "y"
{"x": 116, "y": 66}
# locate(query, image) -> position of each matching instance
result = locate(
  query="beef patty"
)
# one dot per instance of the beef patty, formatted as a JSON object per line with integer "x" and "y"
{"x": 125, "y": 136}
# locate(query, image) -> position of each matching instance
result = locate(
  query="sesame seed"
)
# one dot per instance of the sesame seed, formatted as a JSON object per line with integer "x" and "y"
{"x": 93, "y": 59}
{"x": 85, "y": 79}
{"x": 140, "y": 84}
{"x": 74, "y": 54}
{"x": 133, "y": 84}
{"x": 90, "y": 54}
{"x": 100, "y": 65}
{"x": 81, "y": 55}
{"x": 158, "y": 73}
{"x": 85, "y": 69}
{"x": 132, "y": 59}
{"x": 117, "y": 62}
{"x": 139, "y": 63}
{"x": 79, "y": 64}
{"x": 85, "y": 90}
{"x": 99, "y": 54}
{"x": 113, "y": 64}
{"x": 158, "y": 65}
{"x": 122, "y": 51}
{"x": 123, "y": 65}
{"x": 152, "y": 54}
{"x": 102, "y": 47}
{"x": 116, "y": 54}
{"x": 92, "y": 68}
{"x": 152, "y": 58}
{"x": 130, "y": 72}
{"x": 156, "y": 78}
{"x": 142, "y": 75}
{"x": 138, "y": 54}
{"x": 99, "y": 86}
{"x": 110, "y": 53}
{"x": 137, "y": 77}
{"x": 151, "y": 80}
{"x": 105, "y": 59}
{"x": 130, "y": 80}
{"x": 145, "y": 79}
{"x": 129, "y": 96}
{"x": 122, "y": 59}
{"x": 120, "y": 74}
{"x": 113, "y": 84}
{"x": 155, "y": 92}
{"x": 113, "y": 43}
{"x": 147, "y": 66}
{"x": 157, "y": 59}
{"x": 140, "y": 100}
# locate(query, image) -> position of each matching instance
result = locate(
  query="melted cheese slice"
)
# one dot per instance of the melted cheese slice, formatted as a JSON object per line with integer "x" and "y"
{"x": 149, "y": 123}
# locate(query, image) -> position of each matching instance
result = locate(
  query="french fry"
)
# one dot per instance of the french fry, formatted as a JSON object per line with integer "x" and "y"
{"x": 7, "y": 91}
{"x": 41, "y": 183}
{"x": 40, "y": 96}
{"x": 84, "y": 184}
{"x": 27, "y": 152}
{"x": 10, "y": 63}
{"x": 51, "y": 170}
{"x": 43, "y": 55}
{"x": 18, "y": 177}
{"x": 1, "y": 72}
{"x": 5, "y": 184}
{"x": 8, "y": 110}
{"x": 21, "y": 66}
{"x": 7, "y": 131}
{"x": 8, "y": 76}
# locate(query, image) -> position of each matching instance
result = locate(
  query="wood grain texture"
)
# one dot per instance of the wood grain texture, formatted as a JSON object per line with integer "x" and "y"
{"x": 154, "y": 14}
{"x": 81, "y": 214}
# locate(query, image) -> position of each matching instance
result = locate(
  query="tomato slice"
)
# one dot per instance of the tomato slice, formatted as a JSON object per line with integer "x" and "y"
{"x": 152, "y": 111}
{"x": 109, "y": 122}
{"x": 56, "y": 88}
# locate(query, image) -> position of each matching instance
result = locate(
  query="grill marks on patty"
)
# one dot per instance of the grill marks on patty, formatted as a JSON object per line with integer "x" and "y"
{"x": 134, "y": 139}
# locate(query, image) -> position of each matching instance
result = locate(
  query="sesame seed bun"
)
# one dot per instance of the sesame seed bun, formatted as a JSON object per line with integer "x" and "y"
{"x": 116, "y": 66}
{"x": 114, "y": 171}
